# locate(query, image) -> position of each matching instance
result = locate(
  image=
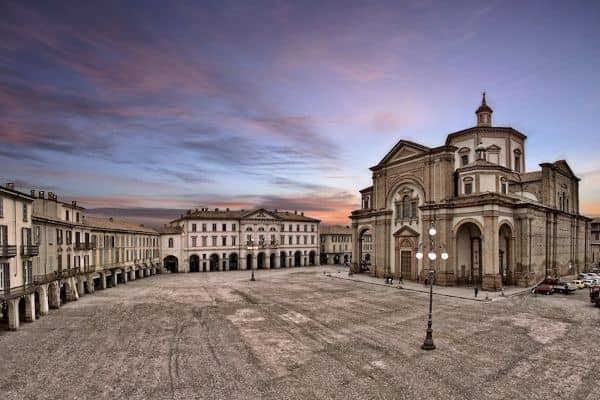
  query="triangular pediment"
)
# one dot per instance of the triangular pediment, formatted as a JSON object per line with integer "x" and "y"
{"x": 260, "y": 213}
{"x": 404, "y": 149}
{"x": 406, "y": 231}
{"x": 564, "y": 167}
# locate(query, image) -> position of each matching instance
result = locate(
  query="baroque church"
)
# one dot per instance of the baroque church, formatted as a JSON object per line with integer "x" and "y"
{"x": 499, "y": 224}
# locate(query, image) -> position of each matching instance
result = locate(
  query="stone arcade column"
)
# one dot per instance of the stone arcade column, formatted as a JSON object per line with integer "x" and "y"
{"x": 114, "y": 279}
{"x": 103, "y": 281}
{"x": 242, "y": 261}
{"x": 492, "y": 280}
{"x": 125, "y": 274}
{"x": 276, "y": 264}
{"x": 71, "y": 289}
{"x": 13, "y": 314}
{"x": 89, "y": 282}
{"x": 29, "y": 307}
{"x": 80, "y": 286}
{"x": 132, "y": 275}
{"x": 43, "y": 294}
{"x": 54, "y": 294}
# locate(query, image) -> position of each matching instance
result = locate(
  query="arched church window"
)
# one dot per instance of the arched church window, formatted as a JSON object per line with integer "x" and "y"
{"x": 468, "y": 185}
{"x": 170, "y": 243}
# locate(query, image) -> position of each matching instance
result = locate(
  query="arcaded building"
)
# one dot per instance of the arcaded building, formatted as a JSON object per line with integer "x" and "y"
{"x": 336, "y": 244}
{"x": 500, "y": 223}
{"x": 222, "y": 240}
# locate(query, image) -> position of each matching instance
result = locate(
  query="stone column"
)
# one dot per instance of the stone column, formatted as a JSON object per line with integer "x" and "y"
{"x": 153, "y": 271}
{"x": 276, "y": 261}
{"x": 492, "y": 280}
{"x": 254, "y": 264}
{"x": 43, "y": 294}
{"x": 54, "y": 294}
{"x": 114, "y": 279}
{"x": 13, "y": 314}
{"x": 132, "y": 275}
{"x": 89, "y": 282}
{"x": 103, "y": 281}
{"x": 124, "y": 274}
{"x": 71, "y": 289}
{"x": 30, "y": 307}
{"x": 291, "y": 261}
{"x": 80, "y": 286}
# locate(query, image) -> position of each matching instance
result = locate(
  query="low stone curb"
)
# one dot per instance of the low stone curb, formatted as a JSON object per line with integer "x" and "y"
{"x": 519, "y": 293}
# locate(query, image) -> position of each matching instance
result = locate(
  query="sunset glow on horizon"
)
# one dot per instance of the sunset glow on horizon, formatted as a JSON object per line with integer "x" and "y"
{"x": 281, "y": 104}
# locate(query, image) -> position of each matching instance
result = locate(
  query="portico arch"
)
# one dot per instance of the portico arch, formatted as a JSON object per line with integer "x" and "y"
{"x": 312, "y": 257}
{"x": 261, "y": 261}
{"x": 213, "y": 262}
{"x": 297, "y": 259}
{"x": 468, "y": 244}
{"x": 233, "y": 261}
{"x": 194, "y": 263}
{"x": 171, "y": 263}
{"x": 282, "y": 258}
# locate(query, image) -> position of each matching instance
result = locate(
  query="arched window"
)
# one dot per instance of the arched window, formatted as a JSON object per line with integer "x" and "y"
{"x": 406, "y": 209}
{"x": 249, "y": 229}
{"x": 170, "y": 243}
{"x": 261, "y": 229}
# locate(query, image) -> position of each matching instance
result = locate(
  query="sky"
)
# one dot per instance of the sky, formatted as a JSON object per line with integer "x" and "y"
{"x": 282, "y": 104}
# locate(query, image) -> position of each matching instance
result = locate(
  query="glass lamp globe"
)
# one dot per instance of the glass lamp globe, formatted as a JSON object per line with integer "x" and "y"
{"x": 444, "y": 255}
{"x": 419, "y": 255}
{"x": 432, "y": 256}
{"x": 432, "y": 231}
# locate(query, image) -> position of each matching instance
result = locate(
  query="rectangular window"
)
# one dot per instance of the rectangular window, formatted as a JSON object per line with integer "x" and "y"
{"x": 297, "y": 239}
{"x": 312, "y": 228}
{"x": 203, "y": 227}
{"x": 69, "y": 237}
{"x": 4, "y": 276}
{"x": 77, "y": 217}
{"x": 282, "y": 239}
{"x": 298, "y": 228}
{"x": 224, "y": 241}
{"x": 193, "y": 227}
{"x": 233, "y": 240}
{"x": 77, "y": 238}
{"x": 194, "y": 239}
{"x": 464, "y": 160}
{"x": 27, "y": 272}
{"x": 224, "y": 227}
{"x": 504, "y": 188}
{"x": 290, "y": 227}
{"x": 3, "y": 235}
{"x": 233, "y": 227}
{"x": 214, "y": 240}
{"x": 518, "y": 163}
{"x": 468, "y": 188}
{"x": 305, "y": 228}
{"x": 204, "y": 241}
{"x": 312, "y": 240}
{"x": 290, "y": 238}
{"x": 214, "y": 227}
{"x": 305, "y": 239}
{"x": 1, "y": 207}
{"x": 67, "y": 215}
{"x": 25, "y": 212}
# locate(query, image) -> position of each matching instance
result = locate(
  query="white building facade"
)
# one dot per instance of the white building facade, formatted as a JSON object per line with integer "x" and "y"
{"x": 222, "y": 240}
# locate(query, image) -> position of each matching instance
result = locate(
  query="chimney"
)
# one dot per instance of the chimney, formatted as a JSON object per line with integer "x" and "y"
{"x": 32, "y": 192}
{"x": 110, "y": 219}
{"x": 10, "y": 185}
{"x": 216, "y": 209}
{"x": 302, "y": 213}
{"x": 189, "y": 212}
{"x": 74, "y": 203}
{"x": 41, "y": 194}
{"x": 295, "y": 212}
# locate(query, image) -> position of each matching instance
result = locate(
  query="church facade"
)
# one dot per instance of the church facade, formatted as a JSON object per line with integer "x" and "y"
{"x": 499, "y": 224}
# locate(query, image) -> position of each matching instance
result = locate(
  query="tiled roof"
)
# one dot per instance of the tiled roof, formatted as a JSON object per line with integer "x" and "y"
{"x": 240, "y": 214}
{"x": 530, "y": 176}
{"x": 169, "y": 229}
{"x": 111, "y": 224}
{"x": 335, "y": 230}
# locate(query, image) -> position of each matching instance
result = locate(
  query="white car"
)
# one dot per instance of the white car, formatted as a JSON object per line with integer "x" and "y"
{"x": 589, "y": 282}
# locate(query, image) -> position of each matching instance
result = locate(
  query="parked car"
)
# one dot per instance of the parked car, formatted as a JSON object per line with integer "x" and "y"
{"x": 578, "y": 283}
{"x": 543, "y": 288}
{"x": 588, "y": 283}
{"x": 564, "y": 287}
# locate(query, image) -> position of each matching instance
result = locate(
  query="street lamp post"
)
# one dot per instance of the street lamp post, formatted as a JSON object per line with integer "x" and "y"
{"x": 252, "y": 247}
{"x": 432, "y": 255}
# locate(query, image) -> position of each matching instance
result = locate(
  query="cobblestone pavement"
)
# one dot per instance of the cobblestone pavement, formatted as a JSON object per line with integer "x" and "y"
{"x": 298, "y": 334}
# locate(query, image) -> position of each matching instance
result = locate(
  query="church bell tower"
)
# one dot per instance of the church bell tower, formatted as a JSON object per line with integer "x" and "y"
{"x": 484, "y": 113}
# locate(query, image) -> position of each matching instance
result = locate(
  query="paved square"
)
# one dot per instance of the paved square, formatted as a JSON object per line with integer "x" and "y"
{"x": 297, "y": 334}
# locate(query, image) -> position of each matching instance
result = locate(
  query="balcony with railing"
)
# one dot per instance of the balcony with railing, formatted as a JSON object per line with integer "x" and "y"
{"x": 83, "y": 246}
{"x": 30, "y": 250}
{"x": 13, "y": 292}
{"x": 7, "y": 250}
